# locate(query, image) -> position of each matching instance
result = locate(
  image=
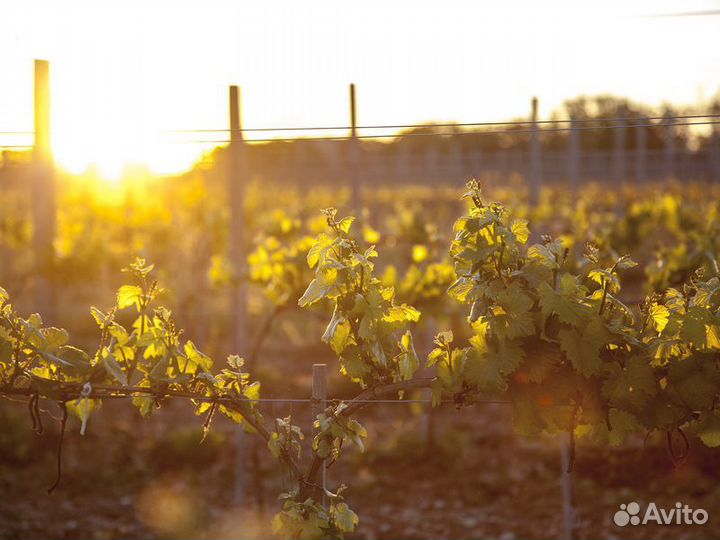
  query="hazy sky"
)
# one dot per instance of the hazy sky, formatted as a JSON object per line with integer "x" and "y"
{"x": 122, "y": 72}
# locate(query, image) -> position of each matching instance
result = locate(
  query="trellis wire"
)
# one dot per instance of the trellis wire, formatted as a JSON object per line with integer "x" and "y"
{"x": 458, "y": 124}
{"x": 628, "y": 122}
{"x": 447, "y": 134}
{"x": 221, "y": 399}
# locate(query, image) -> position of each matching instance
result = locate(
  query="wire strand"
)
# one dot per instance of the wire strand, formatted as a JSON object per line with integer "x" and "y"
{"x": 209, "y": 399}
{"x": 458, "y": 124}
{"x": 443, "y": 134}
{"x": 431, "y": 125}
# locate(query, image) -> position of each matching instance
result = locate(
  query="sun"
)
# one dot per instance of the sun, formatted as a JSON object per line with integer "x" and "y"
{"x": 115, "y": 155}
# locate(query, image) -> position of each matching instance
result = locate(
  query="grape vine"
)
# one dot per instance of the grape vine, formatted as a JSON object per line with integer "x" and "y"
{"x": 549, "y": 334}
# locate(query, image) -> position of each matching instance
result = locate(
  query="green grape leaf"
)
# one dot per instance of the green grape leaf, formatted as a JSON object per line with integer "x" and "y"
{"x": 631, "y": 386}
{"x": 708, "y": 429}
{"x": 519, "y": 227}
{"x": 487, "y": 370}
{"x": 319, "y": 249}
{"x": 510, "y": 317}
{"x": 699, "y": 328}
{"x": 102, "y": 319}
{"x": 705, "y": 292}
{"x": 543, "y": 256}
{"x": 527, "y": 418}
{"x": 407, "y": 360}
{"x": 696, "y": 379}
{"x": 252, "y": 391}
{"x": 319, "y": 287}
{"x": 54, "y": 338}
{"x": 622, "y": 424}
{"x": 605, "y": 278}
{"x": 569, "y": 308}
{"x": 402, "y": 313}
{"x": 462, "y": 288}
{"x": 112, "y": 367}
{"x": 144, "y": 404}
{"x": 540, "y": 358}
{"x": 344, "y": 518}
{"x": 625, "y": 262}
{"x": 196, "y": 358}
{"x": 129, "y": 295}
{"x": 345, "y": 223}
{"x": 352, "y": 364}
{"x": 583, "y": 347}
{"x": 663, "y": 349}
{"x": 70, "y": 358}
{"x": 658, "y": 315}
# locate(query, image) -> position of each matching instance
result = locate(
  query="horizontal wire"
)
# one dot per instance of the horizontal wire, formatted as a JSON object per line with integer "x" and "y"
{"x": 442, "y": 134}
{"x": 101, "y": 391}
{"x": 431, "y": 125}
{"x": 316, "y": 401}
{"x": 460, "y": 124}
{"x": 210, "y": 399}
{"x": 617, "y": 125}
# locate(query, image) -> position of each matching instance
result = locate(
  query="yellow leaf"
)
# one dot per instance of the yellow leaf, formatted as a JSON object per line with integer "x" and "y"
{"x": 659, "y": 316}
{"x": 129, "y": 295}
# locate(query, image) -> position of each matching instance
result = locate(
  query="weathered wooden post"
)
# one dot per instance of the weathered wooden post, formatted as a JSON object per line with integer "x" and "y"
{"x": 456, "y": 161}
{"x": 476, "y": 162}
{"x": 669, "y": 148}
{"x": 43, "y": 197}
{"x": 574, "y": 158}
{"x": 619, "y": 152}
{"x": 395, "y": 161}
{"x": 535, "y": 183}
{"x": 429, "y": 420}
{"x": 566, "y": 484}
{"x": 355, "y": 178}
{"x": 319, "y": 396}
{"x": 237, "y": 237}
{"x": 641, "y": 151}
{"x": 432, "y": 162}
{"x": 237, "y": 176}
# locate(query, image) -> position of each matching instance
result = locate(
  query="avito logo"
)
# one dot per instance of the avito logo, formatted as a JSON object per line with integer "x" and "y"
{"x": 681, "y": 514}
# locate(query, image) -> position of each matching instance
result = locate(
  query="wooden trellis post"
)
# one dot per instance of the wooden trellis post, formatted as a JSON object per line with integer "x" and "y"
{"x": 432, "y": 164}
{"x": 237, "y": 249}
{"x": 641, "y": 152}
{"x": 429, "y": 420}
{"x": 535, "y": 183}
{"x": 405, "y": 162}
{"x": 619, "y": 152}
{"x": 237, "y": 177}
{"x": 566, "y": 484}
{"x": 43, "y": 197}
{"x": 456, "y": 162}
{"x": 574, "y": 158}
{"x": 355, "y": 178}
{"x": 669, "y": 148}
{"x": 319, "y": 396}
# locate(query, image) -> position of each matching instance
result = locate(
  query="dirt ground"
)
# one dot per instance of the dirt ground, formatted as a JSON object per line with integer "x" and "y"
{"x": 131, "y": 478}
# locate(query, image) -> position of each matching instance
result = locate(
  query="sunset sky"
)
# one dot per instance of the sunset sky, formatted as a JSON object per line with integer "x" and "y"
{"x": 124, "y": 72}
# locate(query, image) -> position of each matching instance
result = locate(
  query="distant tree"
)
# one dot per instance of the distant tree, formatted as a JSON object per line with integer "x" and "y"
{"x": 584, "y": 108}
